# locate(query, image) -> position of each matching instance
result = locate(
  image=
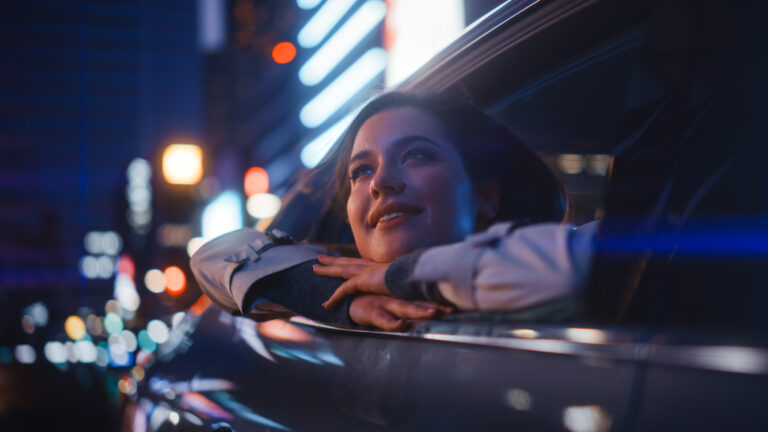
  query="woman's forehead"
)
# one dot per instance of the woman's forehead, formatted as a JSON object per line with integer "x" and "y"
{"x": 391, "y": 125}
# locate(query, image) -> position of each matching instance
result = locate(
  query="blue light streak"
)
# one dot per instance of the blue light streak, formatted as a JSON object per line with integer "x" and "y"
{"x": 307, "y": 4}
{"x": 344, "y": 87}
{"x": 359, "y": 25}
{"x": 318, "y": 27}
{"x": 314, "y": 152}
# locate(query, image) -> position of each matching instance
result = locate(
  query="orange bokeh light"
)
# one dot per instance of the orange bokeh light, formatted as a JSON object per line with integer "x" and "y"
{"x": 284, "y": 52}
{"x": 175, "y": 281}
{"x": 256, "y": 181}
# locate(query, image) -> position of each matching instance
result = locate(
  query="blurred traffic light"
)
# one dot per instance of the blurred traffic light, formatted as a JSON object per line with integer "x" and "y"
{"x": 283, "y": 53}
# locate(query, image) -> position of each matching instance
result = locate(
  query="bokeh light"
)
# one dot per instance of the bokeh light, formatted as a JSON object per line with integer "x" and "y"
{"x": 126, "y": 266}
{"x": 102, "y": 357}
{"x": 256, "y": 181}
{"x": 55, "y": 352}
{"x": 111, "y": 306}
{"x": 94, "y": 325}
{"x": 125, "y": 293}
{"x": 264, "y": 205}
{"x": 86, "y": 351}
{"x": 177, "y": 318}
{"x": 222, "y": 215}
{"x": 129, "y": 339}
{"x": 74, "y": 327}
{"x": 283, "y": 53}
{"x": 27, "y": 324}
{"x": 175, "y": 281}
{"x": 183, "y": 164}
{"x": 118, "y": 355}
{"x": 145, "y": 342}
{"x": 154, "y": 280}
{"x": 157, "y": 331}
{"x": 25, "y": 354}
{"x": 113, "y": 323}
{"x": 71, "y": 350}
{"x": 137, "y": 373}
{"x": 5, "y": 355}
{"x": 38, "y": 312}
{"x": 193, "y": 245}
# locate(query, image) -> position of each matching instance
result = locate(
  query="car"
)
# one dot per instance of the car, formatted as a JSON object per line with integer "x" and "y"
{"x": 652, "y": 113}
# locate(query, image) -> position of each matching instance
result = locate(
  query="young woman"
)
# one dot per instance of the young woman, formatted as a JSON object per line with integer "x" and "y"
{"x": 423, "y": 182}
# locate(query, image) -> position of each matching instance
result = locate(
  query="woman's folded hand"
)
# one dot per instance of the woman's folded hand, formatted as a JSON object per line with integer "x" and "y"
{"x": 361, "y": 275}
{"x": 389, "y": 313}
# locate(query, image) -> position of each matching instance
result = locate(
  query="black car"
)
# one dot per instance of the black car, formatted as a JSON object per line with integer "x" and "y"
{"x": 654, "y": 114}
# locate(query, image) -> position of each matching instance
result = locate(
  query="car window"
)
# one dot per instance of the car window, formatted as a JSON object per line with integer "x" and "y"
{"x": 650, "y": 140}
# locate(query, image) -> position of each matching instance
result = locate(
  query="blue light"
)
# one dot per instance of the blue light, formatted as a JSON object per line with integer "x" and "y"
{"x": 314, "y": 152}
{"x": 307, "y": 4}
{"x": 734, "y": 238}
{"x": 222, "y": 215}
{"x": 368, "y": 16}
{"x": 344, "y": 87}
{"x": 322, "y": 22}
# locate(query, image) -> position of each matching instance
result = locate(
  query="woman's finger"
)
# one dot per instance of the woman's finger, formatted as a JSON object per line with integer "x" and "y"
{"x": 406, "y": 309}
{"x": 384, "y": 320}
{"x": 341, "y": 271}
{"x": 444, "y": 309}
{"x": 347, "y": 288}
{"x": 329, "y": 260}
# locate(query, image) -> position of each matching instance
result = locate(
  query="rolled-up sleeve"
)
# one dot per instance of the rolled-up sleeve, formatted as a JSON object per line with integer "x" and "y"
{"x": 502, "y": 270}
{"x": 227, "y": 266}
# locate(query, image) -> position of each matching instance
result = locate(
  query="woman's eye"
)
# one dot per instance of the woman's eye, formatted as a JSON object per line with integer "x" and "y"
{"x": 413, "y": 154}
{"x": 359, "y": 171}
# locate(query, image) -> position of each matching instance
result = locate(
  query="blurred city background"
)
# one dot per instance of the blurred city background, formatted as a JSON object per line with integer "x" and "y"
{"x": 132, "y": 131}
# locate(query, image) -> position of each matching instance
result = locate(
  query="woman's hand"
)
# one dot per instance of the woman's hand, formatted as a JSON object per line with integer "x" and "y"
{"x": 388, "y": 313}
{"x": 362, "y": 276}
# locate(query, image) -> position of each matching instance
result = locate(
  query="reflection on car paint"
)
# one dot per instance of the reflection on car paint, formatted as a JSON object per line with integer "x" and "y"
{"x": 519, "y": 399}
{"x": 202, "y": 405}
{"x": 586, "y": 418}
{"x": 246, "y": 328}
{"x": 283, "y": 339}
{"x": 245, "y": 412}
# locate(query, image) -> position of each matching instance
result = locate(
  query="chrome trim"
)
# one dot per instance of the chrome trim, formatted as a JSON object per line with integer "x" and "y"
{"x": 748, "y": 360}
{"x": 438, "y": 73}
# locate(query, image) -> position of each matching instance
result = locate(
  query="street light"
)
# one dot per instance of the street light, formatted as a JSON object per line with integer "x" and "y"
{"x": 183, "y": 164}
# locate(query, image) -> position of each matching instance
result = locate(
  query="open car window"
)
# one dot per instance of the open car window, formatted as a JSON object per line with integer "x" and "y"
{"x": 644, "y": 121}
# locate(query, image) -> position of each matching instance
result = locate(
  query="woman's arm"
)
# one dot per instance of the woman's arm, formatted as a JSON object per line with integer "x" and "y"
{"x": 498, "y": 269}
{"x": 248, "y": 269}
{"x": 227, "y": 266}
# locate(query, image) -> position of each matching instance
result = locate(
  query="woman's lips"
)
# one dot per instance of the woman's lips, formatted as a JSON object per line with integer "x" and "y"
{"x": 391, "y": 214}
{"x": 392, "y": 220}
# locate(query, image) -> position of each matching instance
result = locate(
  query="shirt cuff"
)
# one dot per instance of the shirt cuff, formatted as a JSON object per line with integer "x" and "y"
{"x": 399, "y": 280}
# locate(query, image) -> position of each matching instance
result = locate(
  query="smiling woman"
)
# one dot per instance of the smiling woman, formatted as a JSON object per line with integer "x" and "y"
{"x": 416, "y": 176}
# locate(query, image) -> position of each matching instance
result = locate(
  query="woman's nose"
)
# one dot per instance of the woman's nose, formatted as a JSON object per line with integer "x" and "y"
{"x": 386, "y": 182}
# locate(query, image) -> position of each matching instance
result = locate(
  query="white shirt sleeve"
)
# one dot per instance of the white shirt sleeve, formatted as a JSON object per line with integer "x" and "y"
{"x": 227, "y": 266}
{"x": 498, "y": 270}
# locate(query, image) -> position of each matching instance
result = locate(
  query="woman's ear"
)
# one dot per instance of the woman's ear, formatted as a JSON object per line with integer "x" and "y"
{"x": 488, "y": 200}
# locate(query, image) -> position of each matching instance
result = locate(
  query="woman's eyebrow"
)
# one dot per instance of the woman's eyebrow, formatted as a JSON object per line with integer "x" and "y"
{"x": 359, "y": 155}
{"x": 411, "y": 138}
{"x": 400, "y": 142}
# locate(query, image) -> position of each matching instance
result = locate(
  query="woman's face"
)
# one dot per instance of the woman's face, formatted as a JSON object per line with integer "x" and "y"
{"x": 408, "y": 186}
